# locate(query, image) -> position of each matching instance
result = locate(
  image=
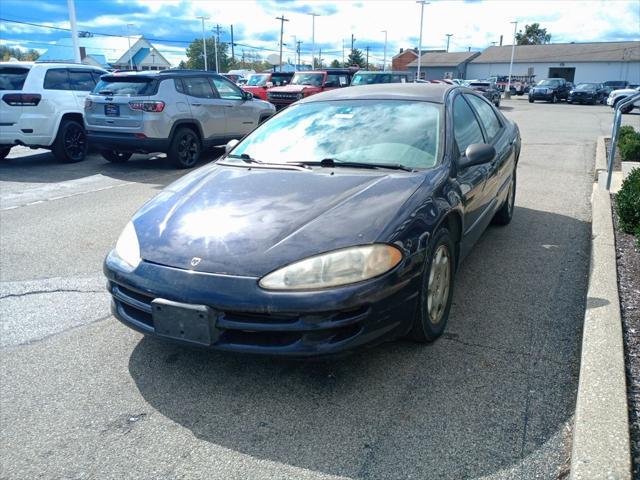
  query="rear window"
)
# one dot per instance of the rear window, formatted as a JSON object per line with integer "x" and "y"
{"x": 57, "y": 79}
{"x": 12, "y": 78}
{"x": 125, "y": 85}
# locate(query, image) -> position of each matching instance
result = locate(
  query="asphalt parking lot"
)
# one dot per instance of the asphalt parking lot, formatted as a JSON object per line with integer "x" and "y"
{"x": 84, "y": 397}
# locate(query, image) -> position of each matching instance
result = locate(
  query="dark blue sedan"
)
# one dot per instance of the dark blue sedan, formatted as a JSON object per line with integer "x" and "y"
{"x": 339, "y": 222}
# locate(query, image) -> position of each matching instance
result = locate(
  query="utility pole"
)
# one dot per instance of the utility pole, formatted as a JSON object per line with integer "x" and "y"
{"x": 507, "y": 92}
{"x": 129, "y": 42}
{"x": 384, "y": 61}
{"x": 233, "y": 56}
{"x": 204, "y": 43}
{"x": 298, "y": 51}
{"x": 353, "y": 39}
{"x": 320, "y": 58}
{"x": 422, "y": 4}
{"x": 282, "y": 20}
{"x": 216, "y": 41}
{"x": 449, "y": 35}
{"x": 367, "y": 49}
{"x": 343, "y": 52}
{"x": 313, "y": 38}
{"x": 74, "y": 31}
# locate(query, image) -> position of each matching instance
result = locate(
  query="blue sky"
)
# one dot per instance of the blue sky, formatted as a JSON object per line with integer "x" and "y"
{"x": 172, "y": 23}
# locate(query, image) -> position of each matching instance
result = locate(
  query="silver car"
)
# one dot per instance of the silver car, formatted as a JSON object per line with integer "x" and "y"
{"x": 180, "y": 112}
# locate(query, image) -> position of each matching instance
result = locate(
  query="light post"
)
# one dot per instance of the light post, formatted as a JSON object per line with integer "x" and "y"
{"x": 74, "y": 31}
{"x": 507, "y": 92}
{"x": 313, "y": 39}
{"x": 282, "y": 20}
{"x": 204, "y": 42}
{"x": 449, "y": 35}
{"x": 422, "y": 4}
{"x": 129, "y": 42}
{"x": 384, "y": 61}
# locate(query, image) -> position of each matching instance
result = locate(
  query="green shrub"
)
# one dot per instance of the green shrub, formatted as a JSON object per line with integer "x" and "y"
{"x": 628, "y": 203}
{"x": 624, "y": 132}
{"x": 630, "y": 149}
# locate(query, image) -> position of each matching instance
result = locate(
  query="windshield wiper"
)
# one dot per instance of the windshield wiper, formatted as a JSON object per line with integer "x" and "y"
{"x": 105, "y": 92}
{"x": 245, "y": 158}
{"x": 249, "y": 159}
{"x": 335, "y": 162}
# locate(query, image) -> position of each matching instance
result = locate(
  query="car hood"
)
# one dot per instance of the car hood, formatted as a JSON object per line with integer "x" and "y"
{"x": 291, "y": 88}
{"x": 250, "y": 221}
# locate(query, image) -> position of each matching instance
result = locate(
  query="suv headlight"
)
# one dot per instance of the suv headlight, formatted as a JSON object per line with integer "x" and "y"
{"x": 128, "y": 248}
{"x": 340, "y": 267}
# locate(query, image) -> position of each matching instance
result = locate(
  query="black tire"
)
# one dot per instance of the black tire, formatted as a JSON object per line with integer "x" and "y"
{"x": 530, "y": 100}
{"x": 505, "y": 214}
{"x": 115, "y": 156}
{"x": 497, "y": 103}
{"x": 185, "y": 148}
{"x": 627, "y": 109}
{"x": 554, "y": 99}
{"x": 569, "y": 102}
{"x": 4, "y": 151}
{"x": 425, "y": 327}
{"x": 71, "y": 144}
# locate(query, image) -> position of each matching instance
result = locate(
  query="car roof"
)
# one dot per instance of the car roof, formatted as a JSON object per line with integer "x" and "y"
{"x": 426, "y": 92}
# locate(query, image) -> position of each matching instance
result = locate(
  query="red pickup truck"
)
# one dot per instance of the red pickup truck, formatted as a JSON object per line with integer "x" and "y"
{"x": 308, "y": 83}
{"x": 259, "y": 83}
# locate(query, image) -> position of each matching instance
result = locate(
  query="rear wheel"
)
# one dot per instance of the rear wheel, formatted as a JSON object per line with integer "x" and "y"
{"x": 185, "y": 148}
{"x": 4, "y": 151}
{"x": 71, "y": 144}
{"x": 530, "y": 100}
{"x": 505, "y": 214}
{"x": 115, "y": 156}
{"x": 497, "y": 102}
{"x": 436, "y": 290}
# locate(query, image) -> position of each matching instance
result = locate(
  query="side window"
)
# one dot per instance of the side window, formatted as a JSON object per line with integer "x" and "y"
{"x": 332, "y": 81}
{"x": 57, "y": 79}
{"x": 466, "y": 129}
{"x": 178, "y": 84}
{"x": 81, "y": 81}
{"x": 198, "y": 87}
{"x": 226, "y": 89}
{"x": 487, "y": 116}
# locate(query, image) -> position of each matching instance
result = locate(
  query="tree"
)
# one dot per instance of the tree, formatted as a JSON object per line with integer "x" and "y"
{"x": 356, "y": 58}
{"x": 182, "y": 65}
{"x": 6, "y": 53}
{"x": 336, "y": 64}
{"x": 195, "y": 57}
{"x": 533, "y": 35}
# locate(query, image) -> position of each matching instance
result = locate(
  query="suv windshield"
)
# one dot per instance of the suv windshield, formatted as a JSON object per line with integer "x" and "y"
{"x": 257, "y": 80}
{"x": 314, "y": 79}
{"x": 549, "y": 83}
{"x": 615, "y": 84}
{"x": 373, "y": 78}
{"x": 586, "y": 86}
{"x": 12, "y": 78}
{"x": 125, "y": 85}
{"x": 404, "y": 132}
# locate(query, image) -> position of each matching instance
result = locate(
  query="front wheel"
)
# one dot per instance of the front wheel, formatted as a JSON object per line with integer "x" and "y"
{"x": 505, "y": 214}
{"x": 554, "y": 99}
{"x": 436, "y": 290}
{"x": 4, "y": 151}
{"x": 115, "y": 156}
{"x": 530, "y": 100}
{"x": 185, "y": 148}
{"x": 71, "y": 144}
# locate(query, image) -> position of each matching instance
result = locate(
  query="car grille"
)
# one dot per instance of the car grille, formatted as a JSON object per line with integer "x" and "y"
{"x": 257, "y": 329}
{"x": 282, "y": 96}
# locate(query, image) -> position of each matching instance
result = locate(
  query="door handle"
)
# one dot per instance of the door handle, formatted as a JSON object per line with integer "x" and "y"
{"x": 196, "y": 104}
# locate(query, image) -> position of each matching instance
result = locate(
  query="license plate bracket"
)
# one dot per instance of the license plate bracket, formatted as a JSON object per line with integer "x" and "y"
{"x": 112, "y": 110}
{"x": 183, "y": 321}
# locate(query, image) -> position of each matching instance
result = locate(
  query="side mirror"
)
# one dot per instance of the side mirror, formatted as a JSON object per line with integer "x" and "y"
{"x": 231, "y": 144}
{"x": 247, "y": 95}
{"x": 477, "y": 154}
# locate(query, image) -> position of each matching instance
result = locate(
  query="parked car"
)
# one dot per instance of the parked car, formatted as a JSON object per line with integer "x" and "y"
{"x": 42, "y": 106}
{"x": 259, "y": 83}
{"x": 587, "y": 93}
{"x": 241, "y": 82}
{"x": 305, "y": 84}
{"x": 177, "y": 112}
{"x": 618, "y": 95}
{"x": 551, "y": 89}
{"x": 485, "y": 88}
{"x": 364, "y": 77}
{"x": 337, "y": 223}
{"x": 232, "y": 77}
{"x": 612, "y": 85}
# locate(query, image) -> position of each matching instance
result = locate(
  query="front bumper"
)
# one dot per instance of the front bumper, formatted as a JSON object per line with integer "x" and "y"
{"x": 582, "y": 98}
{"x": 249, "y": 319}
{"x": 611, "y": 101}
{"x": 126, "y": 142}
{"x": 541, "y": 96}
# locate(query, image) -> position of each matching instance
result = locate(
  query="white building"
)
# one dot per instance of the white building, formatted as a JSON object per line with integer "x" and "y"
{"x": 576, "y": 62}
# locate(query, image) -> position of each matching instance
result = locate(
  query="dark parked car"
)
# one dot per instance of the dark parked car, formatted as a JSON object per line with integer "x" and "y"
{"x": 587, "y": 93}
{"x": 486, "y": 89}
{"x": 611, "y": 85}
{"x": 551, "y": 89}
{"x": 337, "y": 223}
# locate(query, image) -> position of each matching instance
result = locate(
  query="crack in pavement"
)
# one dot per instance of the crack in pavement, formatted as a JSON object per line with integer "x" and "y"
{"x": 40, "y": 292}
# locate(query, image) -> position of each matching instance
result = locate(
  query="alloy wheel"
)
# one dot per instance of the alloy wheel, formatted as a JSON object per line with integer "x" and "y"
{"x": 188, "y": 149}
{"x": 75, "y": 141}
{"x": 438, "y": 285}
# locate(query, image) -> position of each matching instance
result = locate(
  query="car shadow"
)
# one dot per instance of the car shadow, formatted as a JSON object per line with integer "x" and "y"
{"x": 41, "y": 167}
{"x": 493, "y": 393}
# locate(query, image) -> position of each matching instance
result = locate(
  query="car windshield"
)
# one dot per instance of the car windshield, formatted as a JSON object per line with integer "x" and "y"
{"x": 257, "y": 80}
{"x": 549, "y": 83}
{"x": 314, "y": 79}
{"x": 586, "y": 86}
{"x": 371, "y": 78}
{"x": 615, "y": 84}
{"x": 124, "y": 85}
{"x": 12, "y": 78}
{"x": 364, "y": 131}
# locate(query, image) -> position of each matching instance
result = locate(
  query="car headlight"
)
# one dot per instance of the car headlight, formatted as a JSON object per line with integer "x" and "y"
{"x": 340, "y": 267}
{"x": 128, "y": 248}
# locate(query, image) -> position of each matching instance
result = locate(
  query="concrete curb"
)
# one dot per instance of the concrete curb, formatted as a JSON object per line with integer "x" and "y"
{"x": 601, "y": 157}
{"x": 601, "y": 445}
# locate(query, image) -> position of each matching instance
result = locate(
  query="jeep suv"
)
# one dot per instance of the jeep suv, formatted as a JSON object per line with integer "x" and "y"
{"x": 304, "y": 84}
{"x": 179, "y": 112}
{"x": 259, "y": 83}
{"x": 552, "y": 90}
{"x": 41, "y": 107}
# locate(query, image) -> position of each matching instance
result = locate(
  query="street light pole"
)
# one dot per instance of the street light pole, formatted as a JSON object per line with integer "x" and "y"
{"x": 384, "y": 61}
{"x": 74, "y": 31}
{"x": 449, "y": 35}
{"x": 313, "y": 39}
{"x": 422, "y": 4}
{"x": 282, "y": 20}
{"x": 507, "y": 92}
{"x": 204, "y": 42}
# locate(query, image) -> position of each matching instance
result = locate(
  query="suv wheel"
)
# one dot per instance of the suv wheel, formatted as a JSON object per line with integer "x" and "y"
{"x": 185, "y": 148}
{"x": 71, "y": 144}
{"x": 115, "y": 156}
{"x": 4, "y": 151}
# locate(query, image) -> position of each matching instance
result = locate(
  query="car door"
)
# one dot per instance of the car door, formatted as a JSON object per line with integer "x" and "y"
{"x": 242, "y": 113}
{"x": 82, "y": 82}
{"x": 206, "y": 108}
{"x": 500, "y": 169}
{"x": 467, "y": 131}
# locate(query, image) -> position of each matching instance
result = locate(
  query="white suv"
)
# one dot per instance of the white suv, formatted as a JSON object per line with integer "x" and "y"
{"x": 41, "y": 106}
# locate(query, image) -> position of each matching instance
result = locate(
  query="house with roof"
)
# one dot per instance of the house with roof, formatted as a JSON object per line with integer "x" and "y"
{"x": 142, "y": 56}
{"x": 438, "y": 65}
{"x": 575, "y": 62}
